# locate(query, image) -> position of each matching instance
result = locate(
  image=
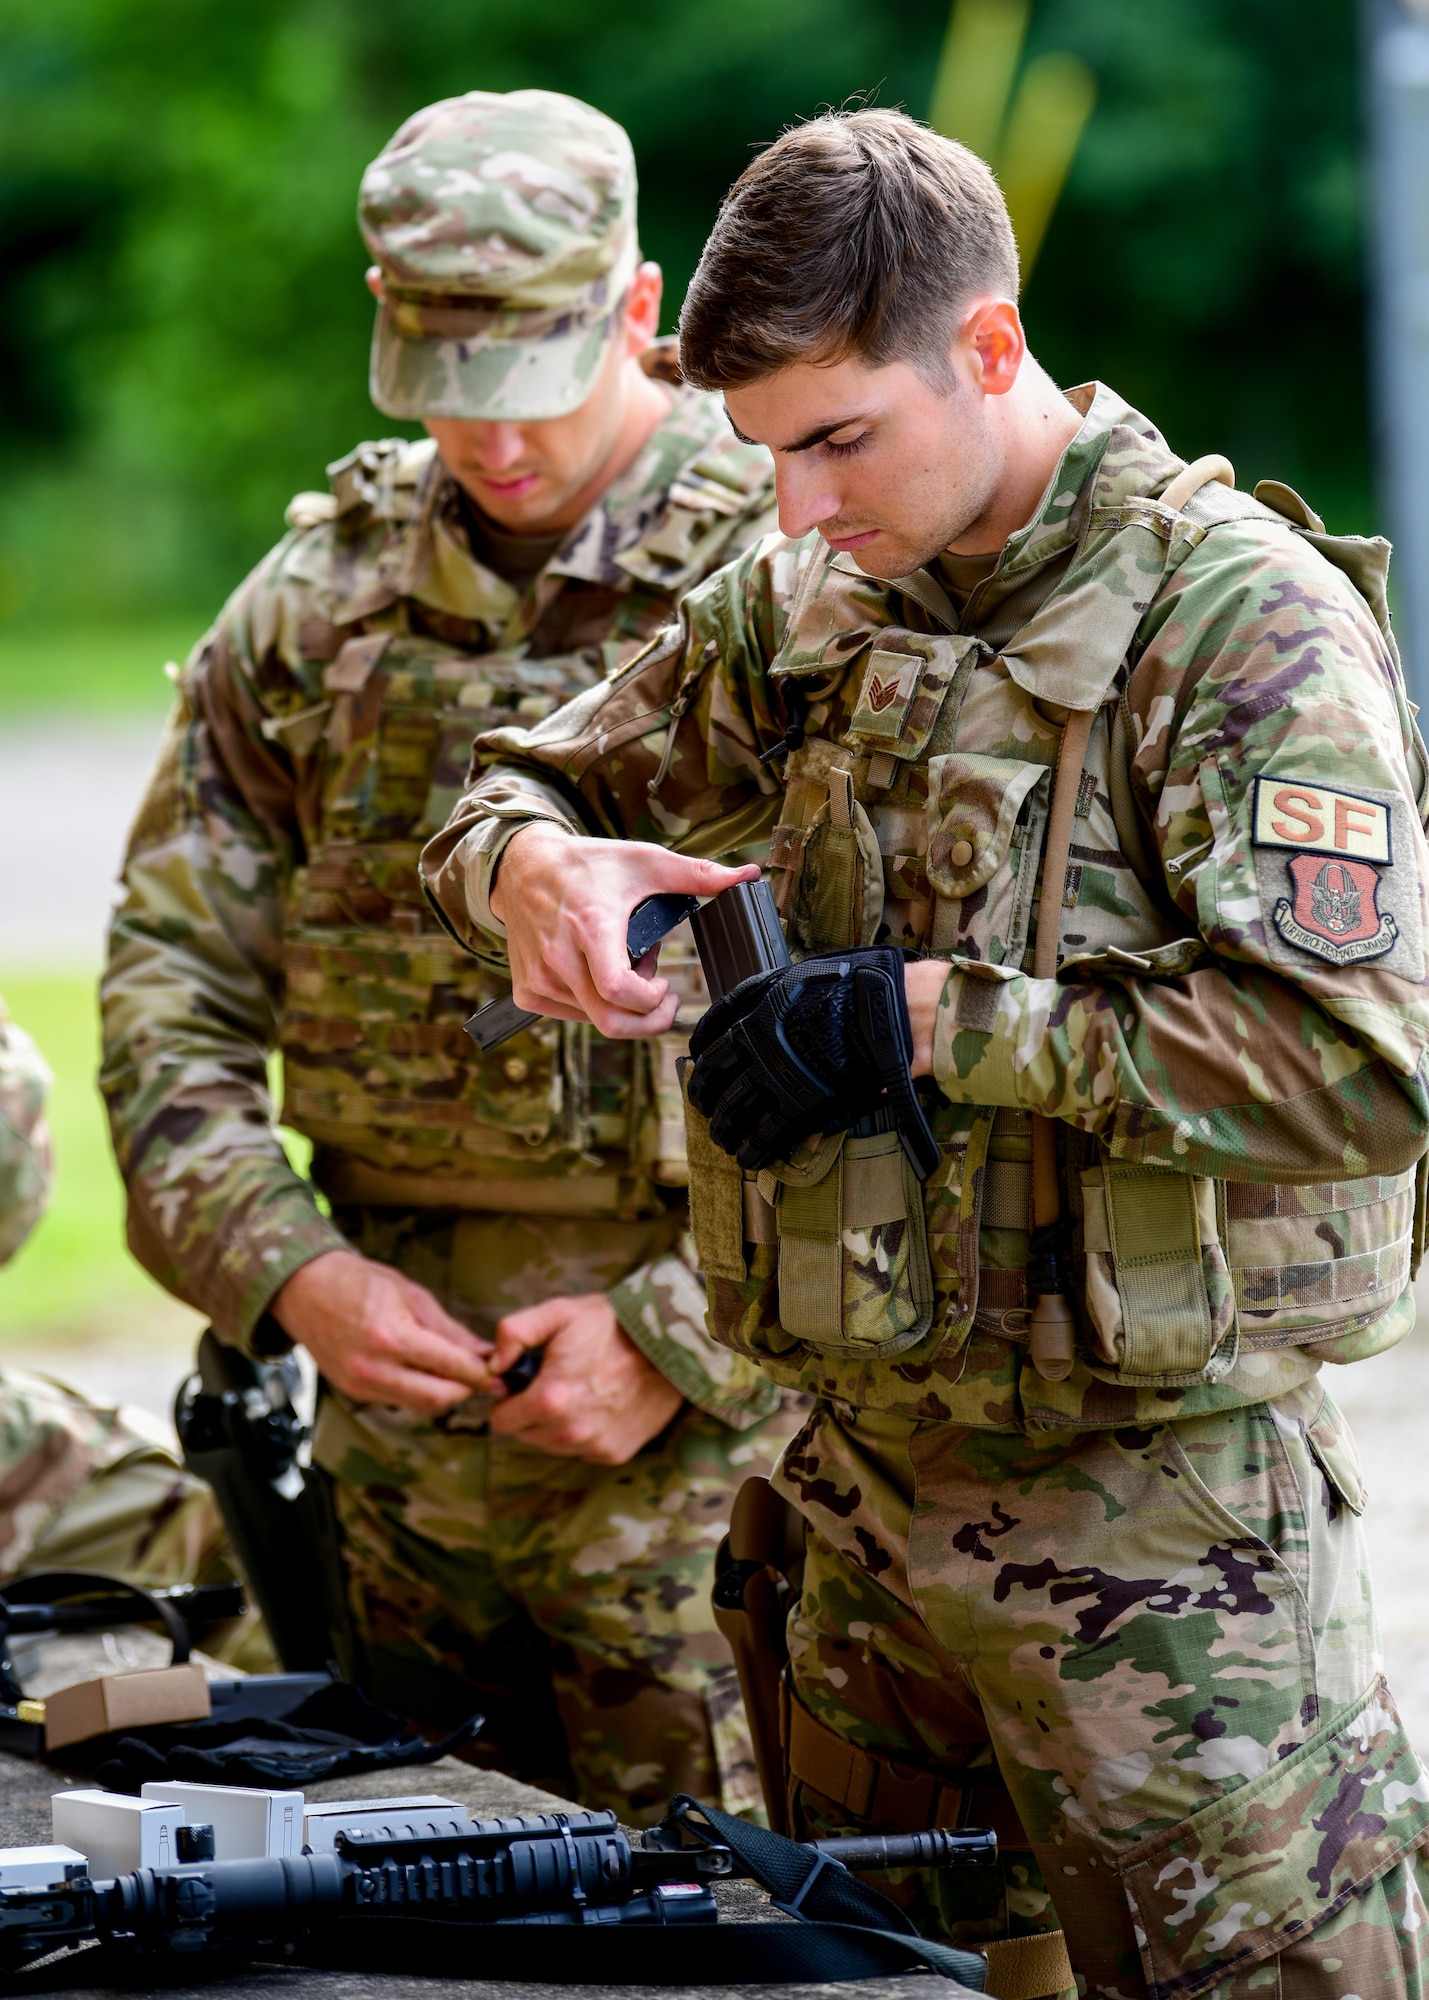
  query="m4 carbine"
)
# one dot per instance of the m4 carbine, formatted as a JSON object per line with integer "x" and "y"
{"x": 428, "y": 1896}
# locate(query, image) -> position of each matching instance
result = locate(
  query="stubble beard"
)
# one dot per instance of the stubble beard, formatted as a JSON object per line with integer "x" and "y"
{"x": 922, "y": 543}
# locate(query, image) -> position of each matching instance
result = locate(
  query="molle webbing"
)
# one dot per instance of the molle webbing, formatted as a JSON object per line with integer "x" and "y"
{"x": 348, "y": 1181}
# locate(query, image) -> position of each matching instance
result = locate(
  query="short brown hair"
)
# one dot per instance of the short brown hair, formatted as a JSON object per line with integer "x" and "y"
{"x": 860, "y": 232}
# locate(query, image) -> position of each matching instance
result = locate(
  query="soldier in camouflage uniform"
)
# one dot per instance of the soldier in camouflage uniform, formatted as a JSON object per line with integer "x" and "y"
{"x": 84, "y": 1485}
{"x": 26, "y": 1158}
{"x": 544, "y": 1556}
{"x": 1126, "y": 1572}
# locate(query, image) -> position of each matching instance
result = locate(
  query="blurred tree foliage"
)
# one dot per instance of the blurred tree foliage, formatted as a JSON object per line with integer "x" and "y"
{"x": 183, "y": 326}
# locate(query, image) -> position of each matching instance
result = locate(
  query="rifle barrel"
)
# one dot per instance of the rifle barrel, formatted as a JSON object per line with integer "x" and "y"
{"x": 939, "y": 1847}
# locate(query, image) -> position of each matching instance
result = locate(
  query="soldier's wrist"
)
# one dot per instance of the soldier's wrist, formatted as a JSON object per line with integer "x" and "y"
{"x": 527, "y": 836}
{"x": 924, "y": 982}
{"x": 974, "y": 1037}
{"x": 256, "y": 1329}
{"x": 661, "y": 1310}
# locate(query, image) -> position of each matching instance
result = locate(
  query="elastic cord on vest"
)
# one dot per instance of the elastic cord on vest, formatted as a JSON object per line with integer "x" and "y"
{"x": 1051, "y": 1338}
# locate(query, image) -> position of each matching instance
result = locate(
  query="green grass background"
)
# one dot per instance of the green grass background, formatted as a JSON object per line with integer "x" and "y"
{"x": 74, "y": 1280}
{"x": 114, "y": 668}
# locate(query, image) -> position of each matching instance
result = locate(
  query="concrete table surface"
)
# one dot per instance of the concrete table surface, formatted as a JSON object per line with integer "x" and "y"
{"x": 25, "y": 1790}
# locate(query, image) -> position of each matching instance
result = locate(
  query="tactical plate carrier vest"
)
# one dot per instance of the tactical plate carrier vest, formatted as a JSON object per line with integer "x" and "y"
{"x": 402, "y": 1108}
{"x": 927, "y": 813}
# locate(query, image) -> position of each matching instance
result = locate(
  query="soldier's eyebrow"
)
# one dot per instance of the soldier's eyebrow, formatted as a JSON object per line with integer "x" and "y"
{"x": 810, "y": 438}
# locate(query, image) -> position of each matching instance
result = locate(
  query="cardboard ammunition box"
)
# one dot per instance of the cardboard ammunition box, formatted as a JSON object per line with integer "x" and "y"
{"x": 126, "y": 1701}
{"x": 248, "y": 1825}
{"x": 115, "y": 1833}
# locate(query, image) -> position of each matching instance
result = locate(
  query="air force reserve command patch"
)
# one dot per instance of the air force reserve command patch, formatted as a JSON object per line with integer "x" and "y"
{"x": 1336, "y": 849}
{"x": 1334, "y": 911}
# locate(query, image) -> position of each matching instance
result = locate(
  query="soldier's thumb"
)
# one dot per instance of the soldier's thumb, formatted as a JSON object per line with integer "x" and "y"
{"x": 684, "y": 874}
{"x": 532, "y": 1326}
{"x": 432, "y": 1316}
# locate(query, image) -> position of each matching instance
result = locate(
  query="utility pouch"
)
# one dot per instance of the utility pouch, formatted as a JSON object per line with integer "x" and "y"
{"x": 854, "y": 1269}
{"x": 836, "y": 883}
{"x": 736, "y": 1243}
{"x": 1158, "y": 1287}
{"x": 827, "y": 1250}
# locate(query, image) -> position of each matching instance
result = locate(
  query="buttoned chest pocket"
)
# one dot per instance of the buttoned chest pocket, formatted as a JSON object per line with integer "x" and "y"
{"x": 986, "y": 818}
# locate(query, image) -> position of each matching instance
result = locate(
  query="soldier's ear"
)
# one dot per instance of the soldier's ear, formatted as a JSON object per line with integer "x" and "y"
{"x": 992, "y": 338}
{"x": 372, "y": 277}
{"x": 642, "y": 307}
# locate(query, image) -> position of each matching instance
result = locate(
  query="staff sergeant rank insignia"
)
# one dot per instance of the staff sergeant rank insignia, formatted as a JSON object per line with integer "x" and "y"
{"x": 1340, "y": 844}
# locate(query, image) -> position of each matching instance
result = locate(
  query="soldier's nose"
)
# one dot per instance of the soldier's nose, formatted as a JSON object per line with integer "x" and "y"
{"x": 805, "y": 502}
{"x": 498, "y": 447}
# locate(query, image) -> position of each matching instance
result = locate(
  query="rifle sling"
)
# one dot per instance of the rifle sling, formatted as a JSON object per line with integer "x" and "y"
{"x": 678, "y": 1955}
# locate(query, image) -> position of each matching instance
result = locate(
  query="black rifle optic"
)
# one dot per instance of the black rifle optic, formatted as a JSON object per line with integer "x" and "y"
{"x": 576, "y": 1872}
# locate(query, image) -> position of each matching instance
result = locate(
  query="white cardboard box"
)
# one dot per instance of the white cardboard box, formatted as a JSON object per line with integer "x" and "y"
{"x": 247, "y": 1825}
{"x": 115, "y": 1833}
{"x": 395, "y": 1817}
{"x": 37, "y": 1867}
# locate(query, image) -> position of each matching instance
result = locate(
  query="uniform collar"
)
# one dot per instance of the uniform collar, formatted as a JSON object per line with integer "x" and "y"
{"x": 437, "y": 568}
{"x": 1115, "y": 453}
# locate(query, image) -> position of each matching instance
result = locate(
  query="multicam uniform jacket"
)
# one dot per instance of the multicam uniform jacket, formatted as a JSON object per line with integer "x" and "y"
{"x": 84, "y": 1485}
{"x": 322, "y": 729}
{"x": 1234, "y": 1048}
{"x": 1139, "y": 1594}
{"x": 26, "y": 1165}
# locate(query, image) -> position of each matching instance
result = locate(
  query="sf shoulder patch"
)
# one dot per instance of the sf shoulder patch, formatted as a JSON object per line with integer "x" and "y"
{"x": 1333, "y": 846}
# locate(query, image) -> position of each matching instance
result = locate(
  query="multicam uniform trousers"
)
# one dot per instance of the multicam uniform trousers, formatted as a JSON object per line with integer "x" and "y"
{"x": 1164, "y": 1638}
{"x": 568, "y": 1602}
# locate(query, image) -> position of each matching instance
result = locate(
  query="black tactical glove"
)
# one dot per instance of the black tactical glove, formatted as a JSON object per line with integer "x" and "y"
{"x": 811, "y": 1048}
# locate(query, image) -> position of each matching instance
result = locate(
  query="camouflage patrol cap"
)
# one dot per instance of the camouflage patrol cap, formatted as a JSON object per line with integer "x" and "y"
{"x": 504, "y": 227}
